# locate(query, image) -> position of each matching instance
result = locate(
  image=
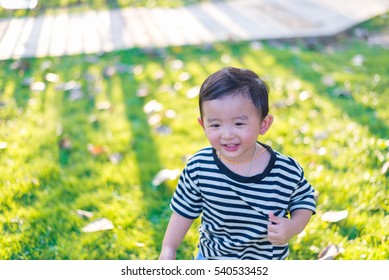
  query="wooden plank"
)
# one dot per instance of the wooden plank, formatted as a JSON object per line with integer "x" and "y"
{"x": 74, "y": 42}
{"x": 59, "y": 35}
{"x": 43, "y": 42}
{"x": 155, "y": 35}
{"x": 227, "y": 20}
{"x": 164, "y": 19}
{"x": 194, "y": 31}
{"x": 104, "y": 30}
{"x": 208, "y": 22}
{"x": 20, "y": 48}
{"x": 91, "y": 38}
{"x": 258, "y": 20}
{"x": 10, "y": 38}
{"x": 136, "y": 29}
{"x": 3, "y": 27}
{"x": 116, "y": 30}
{"x": 31, "y": 43}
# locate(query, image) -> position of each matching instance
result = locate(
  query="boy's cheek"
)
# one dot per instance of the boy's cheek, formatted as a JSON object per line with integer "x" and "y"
{"x": 214, "y": 143}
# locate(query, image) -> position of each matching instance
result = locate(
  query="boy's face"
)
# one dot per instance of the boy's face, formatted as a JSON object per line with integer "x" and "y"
{"x": 232, "y": 125}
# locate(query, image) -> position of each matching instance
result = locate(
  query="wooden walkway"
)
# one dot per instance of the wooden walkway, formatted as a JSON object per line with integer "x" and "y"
{"x": 105, "y": 31}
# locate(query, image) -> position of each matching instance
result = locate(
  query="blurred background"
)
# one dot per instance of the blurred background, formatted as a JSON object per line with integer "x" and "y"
{"x": 98, "y": 116}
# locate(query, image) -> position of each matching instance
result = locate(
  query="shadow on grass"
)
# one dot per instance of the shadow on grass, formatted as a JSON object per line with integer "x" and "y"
{"x": 336, "y": 93}
{"x": 49, "y": 228}
{"x": 145, "y": 150}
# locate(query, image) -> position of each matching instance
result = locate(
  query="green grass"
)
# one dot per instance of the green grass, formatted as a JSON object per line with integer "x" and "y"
{"x": 340, "y": 140}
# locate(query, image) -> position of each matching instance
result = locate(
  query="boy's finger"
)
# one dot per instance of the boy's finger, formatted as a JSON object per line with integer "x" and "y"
{"x": 272, "y": 228}
{"x": 273, "y": 218}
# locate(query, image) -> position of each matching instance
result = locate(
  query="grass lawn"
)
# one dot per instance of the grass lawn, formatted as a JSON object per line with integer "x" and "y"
{"x": 91, "y": 132}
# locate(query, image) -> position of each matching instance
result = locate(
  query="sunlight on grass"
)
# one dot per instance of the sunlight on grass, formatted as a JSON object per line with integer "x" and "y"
{"x": 94, "y": 139}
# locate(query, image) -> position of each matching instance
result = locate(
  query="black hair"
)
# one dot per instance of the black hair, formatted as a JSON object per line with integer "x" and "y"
{"x": 236, "y": 82}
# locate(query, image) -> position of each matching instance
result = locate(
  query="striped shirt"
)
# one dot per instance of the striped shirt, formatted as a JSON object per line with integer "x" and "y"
{"x": 235, "y": 208}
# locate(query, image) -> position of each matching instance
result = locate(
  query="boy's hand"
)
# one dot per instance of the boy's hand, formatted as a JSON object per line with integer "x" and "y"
{"x": 278, "y": 230}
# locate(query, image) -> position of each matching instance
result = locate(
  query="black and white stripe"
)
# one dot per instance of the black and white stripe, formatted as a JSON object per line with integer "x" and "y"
{"x": 235, "y": 208}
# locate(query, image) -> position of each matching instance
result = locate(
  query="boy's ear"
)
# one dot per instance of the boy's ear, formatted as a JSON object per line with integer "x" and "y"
{"x": 266, "y": 124}
{"x": 200, "y": 121}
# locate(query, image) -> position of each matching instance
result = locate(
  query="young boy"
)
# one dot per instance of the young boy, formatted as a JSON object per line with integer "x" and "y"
{"x": 243, "y": 189}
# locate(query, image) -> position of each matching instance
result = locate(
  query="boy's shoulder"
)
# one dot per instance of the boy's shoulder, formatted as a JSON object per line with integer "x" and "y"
{"x": 204, "y": 152}
{"x": 202, "y": 155}
{"x": 288, "y": 161}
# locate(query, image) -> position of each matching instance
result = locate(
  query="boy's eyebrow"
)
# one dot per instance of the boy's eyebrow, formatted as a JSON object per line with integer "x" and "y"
{"x": 241, "y": 117}
{"x": 212, "y": 119}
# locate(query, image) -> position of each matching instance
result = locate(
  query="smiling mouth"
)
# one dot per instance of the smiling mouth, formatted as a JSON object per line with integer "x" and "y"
{"x": 231, "y": 147}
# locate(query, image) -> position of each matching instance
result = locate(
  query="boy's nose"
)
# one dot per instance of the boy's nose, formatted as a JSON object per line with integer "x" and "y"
{"x": 227, "y": 133}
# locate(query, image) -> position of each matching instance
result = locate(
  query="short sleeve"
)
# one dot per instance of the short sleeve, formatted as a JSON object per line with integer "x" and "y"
{"x": 187, "y": 200}
{"x": 303, "y": 197}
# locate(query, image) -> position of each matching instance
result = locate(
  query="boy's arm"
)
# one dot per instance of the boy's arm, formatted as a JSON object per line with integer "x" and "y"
{"x": 281, "y": 230}
{"x": 177, "y": 228}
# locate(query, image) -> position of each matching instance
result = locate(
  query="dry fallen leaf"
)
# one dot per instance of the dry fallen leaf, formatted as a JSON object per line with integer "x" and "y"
{"x": 159, "y": 74}
{"x": 115, "y": 158}
{"x": 52, "y": 77}
{"x": 84, "y": 213}
{"x": 304, "y": 95}
{"x": 98, "y": 225}
{"x": 177, "y": 64}
{"x": 328, "y": 81}
{"x": 142, "y": 91}
{"x": 93, "y": 119}
{"x": 256, "y": 45}
{"x": 28, "y": 81}
{"x": 342, "y": 92}
{"x": 152, "y": 107}
{"x": 103, "y": 105}
{"x": 65, "y": 143}
{"x": 93, "y": 59}
{"x": 321, "y": 135}
{"x": 164, "y": 175}
{"x": 171, "y": 114}
{"x": 163, "y": 129}
{"x": 38, "y": 86}
{"x": 35, "y": 181}
{"x": 3, "y": 145}
{"x": 330, "y": 252}
{"x": 385, "y": 168}
{"x": 138, "y": 69}
{"x": 109, "y": 71}
{"x": 96, "y": 150}
{"x": 178, "y": 86}
{"x": 184, "y": 76}
{"x": 155, "y": 120}
{"x": 334, "y": 216}
{"x": 357, "y": 60}
{"x": 21, "y": 66}
{"x": 70, "y": 85}
{"x": 123, "y": 68}
{"x": 76, "y": 94}
{"x": 320, "y": 151}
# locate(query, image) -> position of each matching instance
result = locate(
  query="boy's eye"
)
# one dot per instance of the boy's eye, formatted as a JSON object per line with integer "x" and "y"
{"x": 239, "y": 124}
{"x": 215, "y": 125}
